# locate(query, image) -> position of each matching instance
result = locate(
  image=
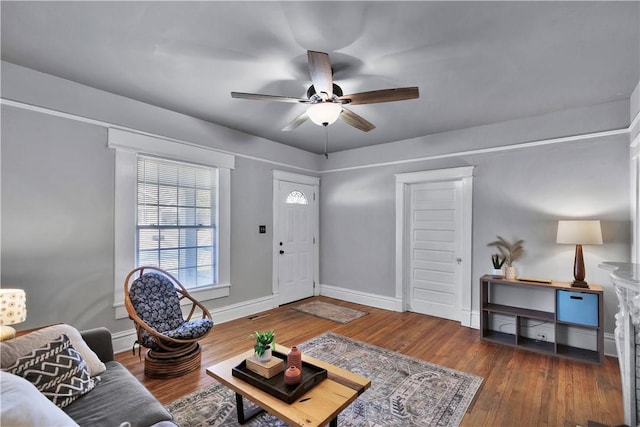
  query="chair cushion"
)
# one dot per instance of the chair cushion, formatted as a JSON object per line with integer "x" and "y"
{"x": 191, "y": 330}
{"x": 156, "y": 301}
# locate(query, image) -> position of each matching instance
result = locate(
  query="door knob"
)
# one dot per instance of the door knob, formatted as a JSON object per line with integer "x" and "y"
{"x": 281, "y": 251}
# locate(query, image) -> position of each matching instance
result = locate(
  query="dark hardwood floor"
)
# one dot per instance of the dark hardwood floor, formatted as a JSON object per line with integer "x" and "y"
{"x": 519, "y": 388}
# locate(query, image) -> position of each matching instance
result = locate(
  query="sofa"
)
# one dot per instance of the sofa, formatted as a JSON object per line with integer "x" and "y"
{"x": 83, "y": 384}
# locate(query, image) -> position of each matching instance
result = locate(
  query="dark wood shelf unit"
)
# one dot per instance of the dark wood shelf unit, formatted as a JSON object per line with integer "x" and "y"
{"x": 578, "y": 353}
{"x": 500, "y": 337}
{"x": 536, "y": 345}
{"x": 520, "y": 314}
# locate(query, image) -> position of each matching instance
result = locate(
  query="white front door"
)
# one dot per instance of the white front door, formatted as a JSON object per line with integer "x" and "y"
{"x": 435, "y": 248}
{"x": 295, "y": 241}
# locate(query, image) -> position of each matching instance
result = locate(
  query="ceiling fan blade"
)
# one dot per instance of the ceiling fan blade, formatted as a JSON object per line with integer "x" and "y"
{"x": 358, "y": 122}
{"x": 260, "y": 97}
{"x": 383, "y": 95}
{"x": 296, "y": 122}
{"x": 321, "y": 74}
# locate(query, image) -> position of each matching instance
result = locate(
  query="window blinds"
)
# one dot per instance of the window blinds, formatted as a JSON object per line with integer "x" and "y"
{"x": 176, "y": 219}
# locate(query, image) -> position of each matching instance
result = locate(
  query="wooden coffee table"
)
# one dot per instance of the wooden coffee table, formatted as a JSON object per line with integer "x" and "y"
{"x": 317, "y": 407}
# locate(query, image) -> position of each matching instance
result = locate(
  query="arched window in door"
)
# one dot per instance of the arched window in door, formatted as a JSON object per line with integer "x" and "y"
{"x": 296, "y": 198}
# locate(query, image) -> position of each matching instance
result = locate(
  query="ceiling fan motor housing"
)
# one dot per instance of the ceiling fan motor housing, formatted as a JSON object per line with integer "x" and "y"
{"x": 312, "y": 95}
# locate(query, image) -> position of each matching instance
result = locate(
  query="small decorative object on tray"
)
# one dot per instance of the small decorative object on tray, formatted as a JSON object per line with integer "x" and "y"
{"x": 264, "y": 345}
{"x": 292, "y": 375}
{"x": 267, "y": 369}
{"x": 311, "y": 375}
{"x": 294, "y": 358}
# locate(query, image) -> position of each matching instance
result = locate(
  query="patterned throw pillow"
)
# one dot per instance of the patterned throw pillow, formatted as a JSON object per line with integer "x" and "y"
{"x": 57, "y": 370}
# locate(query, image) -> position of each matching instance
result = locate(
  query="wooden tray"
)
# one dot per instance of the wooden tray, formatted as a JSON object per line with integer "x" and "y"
{"x": 275, "y": 386}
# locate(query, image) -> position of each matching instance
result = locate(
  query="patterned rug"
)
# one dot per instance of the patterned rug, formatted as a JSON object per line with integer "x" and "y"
{"x": 329, "y": 311}
{"x": 404, "y": 391}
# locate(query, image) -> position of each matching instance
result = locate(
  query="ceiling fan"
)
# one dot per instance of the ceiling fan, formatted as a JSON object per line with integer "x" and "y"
{"x": 326, "y": 100}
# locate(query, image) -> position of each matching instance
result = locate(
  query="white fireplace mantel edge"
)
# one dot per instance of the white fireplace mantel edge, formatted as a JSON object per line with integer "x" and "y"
{"x": 626, "y": 280}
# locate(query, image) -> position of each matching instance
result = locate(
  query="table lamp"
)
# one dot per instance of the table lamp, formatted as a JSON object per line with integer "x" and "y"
{"x": 13, "y": 309}
{"x": 579, "y": 232}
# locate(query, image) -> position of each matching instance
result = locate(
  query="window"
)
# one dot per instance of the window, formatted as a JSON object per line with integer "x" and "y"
{"x": 175, "y": 213}
{"x": 176, "y": 219}
{"x": 296, "y": 198}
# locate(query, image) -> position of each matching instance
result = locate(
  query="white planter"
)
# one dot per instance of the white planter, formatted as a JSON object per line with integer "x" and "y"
{"x": 497, "y": 273}
{"x": 266, "y": 356}
{"x": 511, "y": 273}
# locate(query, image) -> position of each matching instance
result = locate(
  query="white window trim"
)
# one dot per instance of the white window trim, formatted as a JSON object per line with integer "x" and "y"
{"x": 127, "y": 146}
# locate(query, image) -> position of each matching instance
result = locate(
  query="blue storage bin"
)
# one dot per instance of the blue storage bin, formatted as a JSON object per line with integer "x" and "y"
{"x": 577, "y": 307}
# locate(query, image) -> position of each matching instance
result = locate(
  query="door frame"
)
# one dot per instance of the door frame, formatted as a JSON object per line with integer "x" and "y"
{"x": 463, "y": 175}
{"x": 279, "y": 176}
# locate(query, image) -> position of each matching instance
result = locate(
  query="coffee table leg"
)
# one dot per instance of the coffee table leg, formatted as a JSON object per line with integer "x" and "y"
{"x": 334, "y": 422}
{"x": 243, "y": 418}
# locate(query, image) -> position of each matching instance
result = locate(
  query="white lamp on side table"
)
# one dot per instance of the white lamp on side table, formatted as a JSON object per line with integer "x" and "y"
{"x": 13, "y": 309}
{"x": 579, "y": 233}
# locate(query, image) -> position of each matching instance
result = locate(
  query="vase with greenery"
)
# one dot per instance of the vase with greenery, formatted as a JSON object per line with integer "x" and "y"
{"x": 497, "y": 262}
{"x": 263, "y": 345}
{"x": 511, "y": 252}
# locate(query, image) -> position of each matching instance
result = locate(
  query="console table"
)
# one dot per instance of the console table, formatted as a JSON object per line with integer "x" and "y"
{"x": 557, "y": 304}
{"x": 626, "y": 280}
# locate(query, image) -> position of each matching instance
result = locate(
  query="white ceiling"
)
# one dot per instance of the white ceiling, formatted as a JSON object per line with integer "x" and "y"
{"x": 474, "y": 62}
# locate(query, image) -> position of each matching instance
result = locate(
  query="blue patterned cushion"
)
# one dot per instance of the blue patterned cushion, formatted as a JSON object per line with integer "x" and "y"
{"x": 156, "y": 301}
{"x": 189, "y": 330}
{"x": 57, "y": 370}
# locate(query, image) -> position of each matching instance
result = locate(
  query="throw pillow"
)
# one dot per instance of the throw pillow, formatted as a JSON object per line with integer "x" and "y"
{"x": 12, "y": 349}
{"x": 57, "y": 370}
{"x": 23, "y": 405}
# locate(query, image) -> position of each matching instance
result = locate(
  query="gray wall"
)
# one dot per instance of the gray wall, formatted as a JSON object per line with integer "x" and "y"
{"x": 517, "y": 193}
{"x": 58, "y": 178}
{"x": 57, "y": 191}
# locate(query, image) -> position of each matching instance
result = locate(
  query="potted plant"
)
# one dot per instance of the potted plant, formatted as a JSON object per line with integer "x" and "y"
{"x": 264, "y": 344}
{"x": 511, "y": 252}
{"x": 497, "y": 265}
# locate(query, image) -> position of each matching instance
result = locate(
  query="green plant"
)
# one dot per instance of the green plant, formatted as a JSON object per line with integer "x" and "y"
{"x": 263, "y": 341}
{"x": 510, "y": 252}
{"x": 497, "y": 261}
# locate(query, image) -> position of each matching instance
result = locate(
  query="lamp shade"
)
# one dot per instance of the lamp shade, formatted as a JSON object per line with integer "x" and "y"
{"x": 579, "y": 232}
{"x": 324, "y": 113}
{"x": 13, "y": 306}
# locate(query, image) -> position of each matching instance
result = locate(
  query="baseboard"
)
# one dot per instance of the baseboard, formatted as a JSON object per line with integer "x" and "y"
{"x": 470, "y": 319}
{"x": 610, "y": 345}
{"x": 124, "y": 340}
{"x": 358, "y": 297}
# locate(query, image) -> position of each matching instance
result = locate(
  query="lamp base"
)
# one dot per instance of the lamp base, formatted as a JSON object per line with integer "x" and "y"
{"x": 7, "y": 333}
{"x": 579, "y": 284}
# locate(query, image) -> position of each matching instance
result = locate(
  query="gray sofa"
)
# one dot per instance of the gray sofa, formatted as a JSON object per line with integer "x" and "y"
{"x": 119, "y": 397}
{"x": 116, "y": 398}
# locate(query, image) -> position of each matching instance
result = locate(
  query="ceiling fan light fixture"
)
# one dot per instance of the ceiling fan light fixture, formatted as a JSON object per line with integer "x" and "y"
{"x": 324, "y": 113}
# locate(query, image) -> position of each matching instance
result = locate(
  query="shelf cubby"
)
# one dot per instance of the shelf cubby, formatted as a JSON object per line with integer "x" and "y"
{"x": 549, "y": 315}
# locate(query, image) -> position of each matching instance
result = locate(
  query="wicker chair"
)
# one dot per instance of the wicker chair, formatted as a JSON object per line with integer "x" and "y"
{"x": 153, "y": 298}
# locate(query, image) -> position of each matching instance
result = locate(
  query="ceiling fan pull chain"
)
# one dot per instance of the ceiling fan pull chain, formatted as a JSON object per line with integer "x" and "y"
{"x": 326, "y": 140}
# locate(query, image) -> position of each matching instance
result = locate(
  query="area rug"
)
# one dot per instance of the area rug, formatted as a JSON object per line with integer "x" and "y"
{"x": 404, "y": 391}
{"x": 329, "y": 311}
